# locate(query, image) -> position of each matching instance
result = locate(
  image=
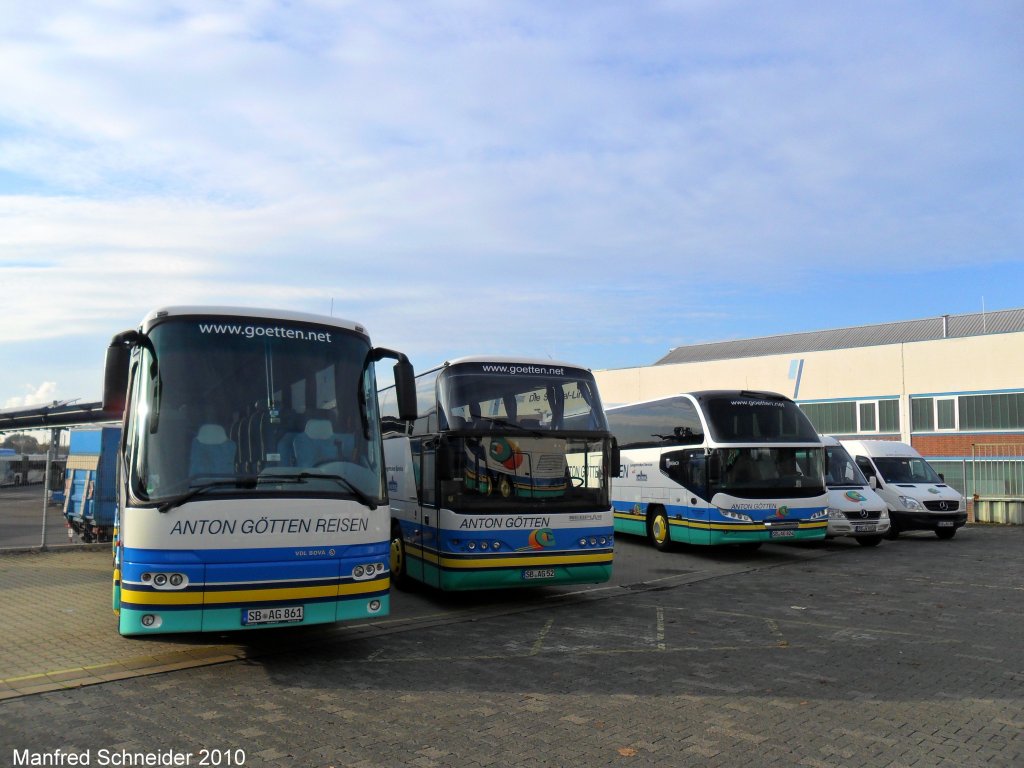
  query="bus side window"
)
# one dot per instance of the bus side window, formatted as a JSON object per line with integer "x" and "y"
{"x": 688, "y": 469}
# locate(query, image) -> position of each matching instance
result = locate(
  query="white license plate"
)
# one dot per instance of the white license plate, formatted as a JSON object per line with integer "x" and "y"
{"x": 272, "y": 615}
{"x": 782, "y": 534}
{"x": 864, "y": 528}
{"x": 945, "y": 523}
{"x": 538, "y": 573}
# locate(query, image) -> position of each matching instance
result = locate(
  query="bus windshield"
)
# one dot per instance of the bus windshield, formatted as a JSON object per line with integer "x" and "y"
{"x": 842, "y": 469}
{"x": 770, "y": 472}
{"x": 906, "y": 469}
{"x": 556, "y": 399}
{"x": 243, "y": 408}
{"x": 750, "y": 418}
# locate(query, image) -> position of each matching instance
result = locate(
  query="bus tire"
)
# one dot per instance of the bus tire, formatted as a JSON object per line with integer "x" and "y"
{"x": 658, "y": 528}
{"x": 869, "y": 541}
{"x": 399, "y": 563}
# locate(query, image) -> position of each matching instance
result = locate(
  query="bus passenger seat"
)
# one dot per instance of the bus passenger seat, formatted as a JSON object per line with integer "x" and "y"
{"x": 315, "y": 445}
{"x": 212, "y": 453}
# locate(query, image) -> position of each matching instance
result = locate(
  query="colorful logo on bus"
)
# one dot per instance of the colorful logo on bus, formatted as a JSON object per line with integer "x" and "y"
{"x": 855, "y": 496}
{"x": 506, "y": 453}
{"x": 542, "y": 538}
{"x": 782, "y": 511}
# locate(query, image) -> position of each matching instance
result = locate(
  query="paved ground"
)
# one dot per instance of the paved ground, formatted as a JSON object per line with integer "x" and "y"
{"x": 905, "y": 655}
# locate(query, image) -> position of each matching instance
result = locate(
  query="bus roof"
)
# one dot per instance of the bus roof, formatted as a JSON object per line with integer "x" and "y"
{"x": 507, "y": 360}
{"x": 704, "y": 394}
{"x": 255, "y": 313}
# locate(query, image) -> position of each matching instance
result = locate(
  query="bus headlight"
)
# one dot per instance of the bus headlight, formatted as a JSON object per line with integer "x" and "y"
{"x": 821, "y": 513}
{"x": 738, "y": 516}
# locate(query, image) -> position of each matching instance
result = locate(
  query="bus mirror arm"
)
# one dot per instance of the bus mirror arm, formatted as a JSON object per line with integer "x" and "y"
{"x": 115, "y": 368}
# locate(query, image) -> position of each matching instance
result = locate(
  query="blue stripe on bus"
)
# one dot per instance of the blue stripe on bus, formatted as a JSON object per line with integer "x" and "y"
{"x": 257, "y": 555}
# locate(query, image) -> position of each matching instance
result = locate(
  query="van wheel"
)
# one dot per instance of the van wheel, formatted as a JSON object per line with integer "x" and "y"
{"x": 869, "y": 541}
{"x": 657, "y": 528}
{"x": 945, "y": 533}
{"x": 399, "y": 563}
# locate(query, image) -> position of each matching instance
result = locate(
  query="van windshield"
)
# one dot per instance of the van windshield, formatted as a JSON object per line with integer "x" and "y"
{"x": 906, "y": 469}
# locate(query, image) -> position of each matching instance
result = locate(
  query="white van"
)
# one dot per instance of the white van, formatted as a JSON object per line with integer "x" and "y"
{"x": 853, "y": 508}
{"x": 918, "y": 498}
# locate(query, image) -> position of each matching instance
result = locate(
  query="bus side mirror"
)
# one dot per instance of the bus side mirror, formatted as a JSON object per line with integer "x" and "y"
{"x": 405, "y": 380}
{"x": 405, "y": 389}
{"x": 115, "y": 374}
{"x": 615, "y": 460}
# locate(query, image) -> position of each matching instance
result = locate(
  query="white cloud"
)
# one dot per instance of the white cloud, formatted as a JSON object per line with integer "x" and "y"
{"x": 44, "y": 393}
{"x": 527, "y": 175}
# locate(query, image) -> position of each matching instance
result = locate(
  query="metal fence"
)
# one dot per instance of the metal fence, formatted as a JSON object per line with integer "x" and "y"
{"x": 997, "y": 482}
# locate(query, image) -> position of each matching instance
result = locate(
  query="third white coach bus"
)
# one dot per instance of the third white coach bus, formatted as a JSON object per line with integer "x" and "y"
{"x": 718, "y": 467}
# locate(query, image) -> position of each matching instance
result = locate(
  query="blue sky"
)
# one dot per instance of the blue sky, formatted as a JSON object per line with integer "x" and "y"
{"x": 597, "y": 182}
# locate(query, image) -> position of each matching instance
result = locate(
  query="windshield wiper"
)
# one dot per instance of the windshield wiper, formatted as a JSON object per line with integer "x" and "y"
{"x": 245, "y": 481}
{"x": 300, "y": 477}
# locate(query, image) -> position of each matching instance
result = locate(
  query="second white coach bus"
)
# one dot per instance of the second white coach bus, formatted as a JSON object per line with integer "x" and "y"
{"x": 503, "y": 480}
{"x": 718, "y": 467}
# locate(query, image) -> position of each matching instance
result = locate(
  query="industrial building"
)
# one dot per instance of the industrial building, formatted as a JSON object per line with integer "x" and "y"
{"x": 951, "y": 386}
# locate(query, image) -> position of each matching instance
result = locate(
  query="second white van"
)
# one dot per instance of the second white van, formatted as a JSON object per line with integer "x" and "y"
{"x": 917, "y": 496}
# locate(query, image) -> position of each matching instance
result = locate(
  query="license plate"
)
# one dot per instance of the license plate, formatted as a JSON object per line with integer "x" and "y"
{"x": 782, "y": 534}
{"x": 945, "y": 523}
{"x": 864, "y": 528}
{"x": 272, "y": 615}
{"x": 538, "y": 573}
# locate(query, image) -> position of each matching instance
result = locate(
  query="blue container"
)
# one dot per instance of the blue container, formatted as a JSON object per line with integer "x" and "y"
{"x": 90, "y": 484}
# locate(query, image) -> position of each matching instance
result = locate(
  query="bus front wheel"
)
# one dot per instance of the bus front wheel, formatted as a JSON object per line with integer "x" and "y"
{"x": 399, "y": 563}
{"x": 657, "y": 528}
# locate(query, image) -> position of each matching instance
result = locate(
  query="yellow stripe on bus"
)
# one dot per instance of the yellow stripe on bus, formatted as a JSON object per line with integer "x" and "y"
{"x": 255, "y": 595}
{"x": 510, "y": 562}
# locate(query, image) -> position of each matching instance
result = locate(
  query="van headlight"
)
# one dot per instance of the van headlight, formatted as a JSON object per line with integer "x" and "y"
{"x": 835, "y": 514}
{"x": 909, "y": 502}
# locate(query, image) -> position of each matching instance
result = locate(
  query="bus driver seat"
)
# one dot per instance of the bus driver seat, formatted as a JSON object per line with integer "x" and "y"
{"x": 315, "y": 444}
{"x": 212, "y": 453}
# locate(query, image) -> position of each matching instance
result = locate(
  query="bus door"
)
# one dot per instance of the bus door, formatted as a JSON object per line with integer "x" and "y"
{"x": 426, "y": 520}
{"x": 688, "y": 508}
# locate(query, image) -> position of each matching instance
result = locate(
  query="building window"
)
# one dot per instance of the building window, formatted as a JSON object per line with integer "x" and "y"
{"x": 888, "y": 415}
{"x": 922, "y": 414}
{"x": 1003, "y": 411}
{"x": 832, "y": 418}
{"x": 867, "y": 417}
{"x": 945, "y": 413}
